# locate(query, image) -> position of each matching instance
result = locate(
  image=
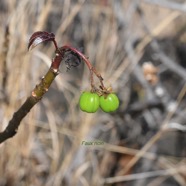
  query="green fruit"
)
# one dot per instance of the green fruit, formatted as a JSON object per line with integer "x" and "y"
{"x": 89, "y": 102}
{"x": 109, "y": 103}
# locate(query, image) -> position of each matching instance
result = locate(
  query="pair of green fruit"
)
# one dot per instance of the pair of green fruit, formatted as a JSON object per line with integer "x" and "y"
{"x": 90, "y": 102}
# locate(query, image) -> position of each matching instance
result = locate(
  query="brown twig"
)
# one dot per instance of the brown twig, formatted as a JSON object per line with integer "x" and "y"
{"x": 4, "y": 63}
{"x": 35, "y": 97}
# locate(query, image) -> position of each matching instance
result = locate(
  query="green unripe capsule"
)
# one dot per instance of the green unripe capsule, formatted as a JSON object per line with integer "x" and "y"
{"x": 109, "y": 103}
{"x": 89, "y": 102}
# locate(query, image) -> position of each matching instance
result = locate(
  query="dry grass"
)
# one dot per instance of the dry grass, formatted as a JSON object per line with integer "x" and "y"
{"x": 47, "y": 149}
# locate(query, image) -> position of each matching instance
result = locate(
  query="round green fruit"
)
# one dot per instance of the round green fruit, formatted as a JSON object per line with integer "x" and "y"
{"x": 89, "y": 102}
{"x": 109, "y": 103}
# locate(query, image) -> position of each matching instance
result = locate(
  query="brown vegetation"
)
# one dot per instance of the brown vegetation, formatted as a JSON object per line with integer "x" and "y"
{"x": 144, "y": 141}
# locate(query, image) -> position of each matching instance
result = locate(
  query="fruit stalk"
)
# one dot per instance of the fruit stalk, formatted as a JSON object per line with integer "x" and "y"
{"x": 89, "y": 65}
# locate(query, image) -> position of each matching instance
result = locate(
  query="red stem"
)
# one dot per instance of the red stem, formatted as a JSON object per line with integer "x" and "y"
{"x": 57, "y": 60}
{"x": 88, "y": 63}
{"x": 80, "y": 54}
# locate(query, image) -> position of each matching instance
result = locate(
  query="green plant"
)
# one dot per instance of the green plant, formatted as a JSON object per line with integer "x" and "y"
{"x": 63, "y": 53}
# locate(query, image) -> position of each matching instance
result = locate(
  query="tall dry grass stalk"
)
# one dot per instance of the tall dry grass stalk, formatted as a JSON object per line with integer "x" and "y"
{"x": 47, "y": 149}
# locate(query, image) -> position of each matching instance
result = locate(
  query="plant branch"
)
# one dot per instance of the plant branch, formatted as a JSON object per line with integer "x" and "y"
{"x": 43, "y": 86}
{"x": 35, "y": 97}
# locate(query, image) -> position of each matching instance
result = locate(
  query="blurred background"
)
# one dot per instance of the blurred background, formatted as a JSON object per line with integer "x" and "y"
{"x": 139, "y": 47}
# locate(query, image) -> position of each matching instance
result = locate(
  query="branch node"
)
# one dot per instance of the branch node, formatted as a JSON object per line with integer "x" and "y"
{"x": 55, "y": 71}
{"x": 34, "y": 94}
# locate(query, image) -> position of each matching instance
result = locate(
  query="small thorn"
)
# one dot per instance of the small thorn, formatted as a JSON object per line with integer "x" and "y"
{"x": 33, "y": 94}
{"x": 56, "y": 71}
{"x": 46, "y": 89}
